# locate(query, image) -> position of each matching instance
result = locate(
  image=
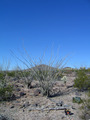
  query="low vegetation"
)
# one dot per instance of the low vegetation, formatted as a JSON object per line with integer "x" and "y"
{"x": 82, "y": 81}
{"x": 46, "y": 79}
{"x": 5, "y": 87}
{"x": 45, "y": 74}
{"x": 86, "y": 107}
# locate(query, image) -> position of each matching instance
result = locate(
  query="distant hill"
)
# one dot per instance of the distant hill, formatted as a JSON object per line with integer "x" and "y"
{"x": 47, "y": 67}
{"x": 43, "y": 67}
{"x": 67, "y": 68}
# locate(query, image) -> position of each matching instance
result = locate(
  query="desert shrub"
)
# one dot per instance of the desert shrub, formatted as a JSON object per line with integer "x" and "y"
{"x": 88, "y": 70}
{"x": 5, "y": 92}
{"x": 26, "y": 73}
{"x": 59, "y": 74}
{"x": 16, "y": 73}
{"x": 46, "y": 74}
{"x": 2, "y": 79}
{"x": 86, "y": 107}
{"x": 11, "y": 74}
{"x": 82, "y": 81}
{"x": 77, "y": 100}
{"x": 46, "y": 79}
{"x": 5, "y": 87}
{"x": 29, "y": 77}
{"x": 1, "y": 75}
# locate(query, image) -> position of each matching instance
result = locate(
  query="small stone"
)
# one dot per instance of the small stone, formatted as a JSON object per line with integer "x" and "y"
{"x": 14, "y": 79}
{"x": 66, "y": 106}
{"x": 3, "y": 117}
{"x": 87, "y": 117}
{"x": 62, "y": 117}
{"x": 60, "y": 103}
{"x": 12, "y": 106}
{"x": 17, "y": 101}
{"x": 35, "y": 105}
{"x": 37, "y": 92}
{"x": 13, "y": 97}
{"x": 22, "y": 94}
{"x": 77, "y": 93}
{"x": 26, "y": 104}
{"x": 22, "y": 86}
{"x": 73, "y": 108}
{"x": 69, "y": 86}
{"x": 0, "y": 98}
{"x": 18, "y": 89}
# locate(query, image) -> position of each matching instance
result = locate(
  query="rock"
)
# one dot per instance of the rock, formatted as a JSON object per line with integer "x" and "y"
{"x": 62, "y": 117}
{"x": 16, "y": 86}
{"x": 1, "y": 99}
{"x": 37, "y": 92}
{"x": 66, "y": 106}
{"x": 4, "y": 118}
{"x": 22, "y": 94}
{"x": 17, "y": 101}
{"x": 26, "y": 104}
{"x": 14, "y": 79}
{"x": 78, "y": 94}
{"x": 62, "y": 85}
{"x": 18, "y": 89}
{"x": 35, "y": 105}
{"x": 77, "y": 100}
{"x": 60, "y": 103}
{"x": 12, "y": 106}
{"x": 21, "y": 86}
{"x": 87, "y": 117}
{"x": 69, "y": 86}
{"x": 13, "y": 97}
{"x": 73, "y": 108}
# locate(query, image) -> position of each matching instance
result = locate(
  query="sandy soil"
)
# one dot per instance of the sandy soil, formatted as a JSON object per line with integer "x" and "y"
{"x": 16, "y": 111}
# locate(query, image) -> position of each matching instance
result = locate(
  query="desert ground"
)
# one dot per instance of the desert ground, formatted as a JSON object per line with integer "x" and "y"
{"x": 29, "y": 104}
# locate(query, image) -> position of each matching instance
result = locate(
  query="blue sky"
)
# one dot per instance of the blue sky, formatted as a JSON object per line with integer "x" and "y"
{"x": 46, "y": 24}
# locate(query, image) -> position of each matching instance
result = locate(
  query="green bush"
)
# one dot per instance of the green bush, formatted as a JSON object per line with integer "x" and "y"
{"x": 26, "y": 73}
{"x": 2, "y": 75}
{"x": 2, "y": 79}
{"x": 11, "y": 74}
{"x": 82, "y": 81}
{"x": 5, "y": 88}
{"x": 5, "y": 92}
{"x": 14, "y": 74}
{"x": 77, "y": 100}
